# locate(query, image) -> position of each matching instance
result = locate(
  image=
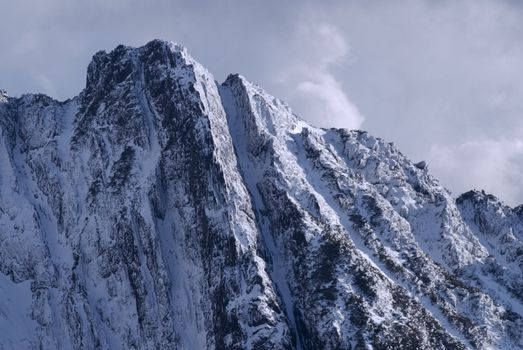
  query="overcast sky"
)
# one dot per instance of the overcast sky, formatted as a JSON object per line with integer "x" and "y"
{"x": 443, "y": 80}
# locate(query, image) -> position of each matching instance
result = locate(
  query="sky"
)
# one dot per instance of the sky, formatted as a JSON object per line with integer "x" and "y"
{"x": 443, "y": 80}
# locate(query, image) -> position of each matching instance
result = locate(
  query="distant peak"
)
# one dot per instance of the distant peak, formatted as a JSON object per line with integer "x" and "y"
{"x": 477, "y": 196}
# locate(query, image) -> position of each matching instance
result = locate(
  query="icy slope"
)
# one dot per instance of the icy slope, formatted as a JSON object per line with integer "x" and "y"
{"x": 159, "y": 209}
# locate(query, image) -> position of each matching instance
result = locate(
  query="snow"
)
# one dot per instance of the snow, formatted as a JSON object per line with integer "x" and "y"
{"x": 157, "y": 261}
{"x": 3, "y": 96}
{"x": 252, "y": 174}
{"x": 16, "y": 324}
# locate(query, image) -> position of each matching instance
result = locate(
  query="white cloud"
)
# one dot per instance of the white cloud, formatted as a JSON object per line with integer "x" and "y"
{"x": 46, "y": 85}
{"x": 318, "y": 96}
{"x": 327, "y": 104}
{"x": 493, "y": 165}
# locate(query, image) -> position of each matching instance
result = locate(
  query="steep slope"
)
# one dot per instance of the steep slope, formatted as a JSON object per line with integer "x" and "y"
{"x": 159, "y": 209}
{"x": 136, "y": 229}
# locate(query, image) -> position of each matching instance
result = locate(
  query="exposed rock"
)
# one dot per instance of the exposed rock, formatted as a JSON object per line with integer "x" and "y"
{"x": 160, "y": 210}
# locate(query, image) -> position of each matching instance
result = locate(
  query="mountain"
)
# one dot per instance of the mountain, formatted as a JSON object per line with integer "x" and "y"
{"x": 162, "y": 210}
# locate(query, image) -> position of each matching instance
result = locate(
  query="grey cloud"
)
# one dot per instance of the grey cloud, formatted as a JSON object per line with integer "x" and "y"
{"x": 309, "y": 77}
{"x": 430, "y": 76}
{"x": 473, "y": 165}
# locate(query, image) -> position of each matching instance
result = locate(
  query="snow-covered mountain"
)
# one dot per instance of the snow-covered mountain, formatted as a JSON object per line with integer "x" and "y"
{"x": 162, "y": 210}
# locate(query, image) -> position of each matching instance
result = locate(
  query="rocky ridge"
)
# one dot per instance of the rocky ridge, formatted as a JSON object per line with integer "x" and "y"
{"x": 159, "y": 209}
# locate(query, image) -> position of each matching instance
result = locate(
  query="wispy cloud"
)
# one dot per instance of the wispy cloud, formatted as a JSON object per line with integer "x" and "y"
{"x": 493, "y": 165}
{"x": 318, "y": 95}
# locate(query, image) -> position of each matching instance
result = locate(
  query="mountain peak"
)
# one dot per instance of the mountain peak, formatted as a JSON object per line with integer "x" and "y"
{"x": 160, "y": 209}
{"x": 3, "y": 95}
{"x": 111, "y": 68}
{"x": 479, "y": 196}
{"x": 165, "y": 44}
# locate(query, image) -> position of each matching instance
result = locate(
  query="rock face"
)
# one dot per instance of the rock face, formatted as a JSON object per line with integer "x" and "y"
{"x": 161, "y": 210}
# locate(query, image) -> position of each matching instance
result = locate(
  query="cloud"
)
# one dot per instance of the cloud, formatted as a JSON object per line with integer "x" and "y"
{"x": 327, "y": 104}
{"x": 318, "y": 95}
{"x": 46, "y": 85}
{"x": 425, "y": 73}
{"x": 422, "y": 73}
{"x": 493, "y": 165}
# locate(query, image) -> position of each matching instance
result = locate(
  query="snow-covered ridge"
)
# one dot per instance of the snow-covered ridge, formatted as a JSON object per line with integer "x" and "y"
{"x": 160, "y": 209}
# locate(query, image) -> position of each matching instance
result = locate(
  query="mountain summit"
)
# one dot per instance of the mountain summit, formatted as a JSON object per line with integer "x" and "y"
{"x": 162, "y": 210}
